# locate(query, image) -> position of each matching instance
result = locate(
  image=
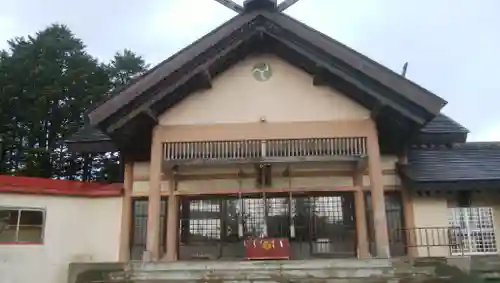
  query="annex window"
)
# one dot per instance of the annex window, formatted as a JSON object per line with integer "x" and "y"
{"x": 474, "y": 232}
{"x": 21, "y": 225}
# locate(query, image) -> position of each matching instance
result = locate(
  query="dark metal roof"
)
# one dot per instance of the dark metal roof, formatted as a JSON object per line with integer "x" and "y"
{"x": 330, "y": 54}
{"x": 363, "y": 64}
{"x": 443, "y": 124}
{"x": 88, "y": 134}
{"x": 441, "y": 130}
{"x": 169, "y": 66}
{"x": 466, "y": 163}
{"x": 398, "y": 104}
{"x": 90, "y": 139}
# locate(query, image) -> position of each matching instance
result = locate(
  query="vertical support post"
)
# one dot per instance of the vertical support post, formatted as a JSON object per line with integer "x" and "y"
{"x": 377, "y": 193}
{"x": 409, "y": 216}
{"x": 360, "y": 210}
{"x": 291, "y": 203}
{"x": 154, "y": 200}
{"x": 241, "y": 205}
{"x": 266, "y": 214}
{"x": 184, "y": 219}
{"x": 172, "y": 220}
{"x": 128, "y": 178}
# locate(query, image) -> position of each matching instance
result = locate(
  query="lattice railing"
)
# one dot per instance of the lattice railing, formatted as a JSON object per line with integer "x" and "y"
{"x": 270, "y": 148}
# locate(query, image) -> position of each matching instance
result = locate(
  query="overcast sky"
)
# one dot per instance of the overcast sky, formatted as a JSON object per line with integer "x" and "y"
{"x": 452, "y": 46}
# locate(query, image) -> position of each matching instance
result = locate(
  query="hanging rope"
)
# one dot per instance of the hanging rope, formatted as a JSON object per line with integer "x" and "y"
{"x": 264, "y": 200}
{"x": 240, "y": 200}
{"x": 290, "y": 202}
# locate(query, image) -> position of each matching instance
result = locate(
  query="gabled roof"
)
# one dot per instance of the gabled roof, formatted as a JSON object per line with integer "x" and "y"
{"x": 90, "y": 139}
{"x": 441, "y": 130}
{"x": 395, "y": 101}
{"x": 443, "y": 124}
{"x": 475, "y": 164}
{"x": 363, "y": 64}
{"x": 381, "y": 84}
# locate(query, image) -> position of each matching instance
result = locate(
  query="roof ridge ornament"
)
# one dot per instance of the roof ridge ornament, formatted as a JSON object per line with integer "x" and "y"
{"x": 252, "y": 5}
{"x": 267, "y": 5}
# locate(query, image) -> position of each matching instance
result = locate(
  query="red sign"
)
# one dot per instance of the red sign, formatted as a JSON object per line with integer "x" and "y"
{"x": 267, "y": 248}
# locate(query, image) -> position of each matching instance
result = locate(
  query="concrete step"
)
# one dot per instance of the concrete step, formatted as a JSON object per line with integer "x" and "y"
{"x": 328, "y": 271}
{"x": 294, "y": 271}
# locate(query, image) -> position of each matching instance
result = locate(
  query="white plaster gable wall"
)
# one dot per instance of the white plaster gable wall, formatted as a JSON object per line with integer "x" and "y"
{"x": 289, "y": 96}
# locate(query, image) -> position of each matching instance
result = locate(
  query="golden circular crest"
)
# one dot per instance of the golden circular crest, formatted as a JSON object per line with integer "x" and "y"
{"x": 267, "y": 245}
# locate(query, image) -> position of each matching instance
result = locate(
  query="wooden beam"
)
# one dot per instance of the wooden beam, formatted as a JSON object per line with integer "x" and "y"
{"x": 231, "y": 5}
{"x": 263, "y": 160}
{"x": 286, "y": 4}
{"x": 204, "y": 79}
{"x": 247, "y": 175}
{"x": 387, "y": 188}
{"x": 295, "y": 174}
{"x": 234, "y": 191}
{"x": 151, "y": 114}
{"x": 362, "y": 165}
{"x": 376, "y": 110}
{"x": 319, "y": 76}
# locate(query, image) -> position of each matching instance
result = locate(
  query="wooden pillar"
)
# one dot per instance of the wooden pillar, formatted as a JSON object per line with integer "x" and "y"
{"x": 185, "y": 216}
{"x": 360, "y": 208}
{"x": 154, "y": 201}
{"x": 172, "y": 225}
{"x": 377, "y": 193}
{"x": 128, "y": 182}
{"x": 409, "y": 215}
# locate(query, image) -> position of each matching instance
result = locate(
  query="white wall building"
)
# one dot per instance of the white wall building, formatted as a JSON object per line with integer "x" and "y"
{"x": 46, "y": 224}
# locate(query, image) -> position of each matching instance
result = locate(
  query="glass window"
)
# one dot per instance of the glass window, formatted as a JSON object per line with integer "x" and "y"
{"x": 474, "y": 230}
{"x": 21, "y": 225}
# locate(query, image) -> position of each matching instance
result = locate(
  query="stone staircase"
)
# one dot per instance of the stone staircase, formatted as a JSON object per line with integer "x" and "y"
{"x": 428, "y": 270}
{"x": 487, "y": 268}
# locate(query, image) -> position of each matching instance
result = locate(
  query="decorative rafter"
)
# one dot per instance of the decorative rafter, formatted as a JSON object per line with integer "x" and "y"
{"x": 286, "y": 4}
{"x": 231, "y": 5}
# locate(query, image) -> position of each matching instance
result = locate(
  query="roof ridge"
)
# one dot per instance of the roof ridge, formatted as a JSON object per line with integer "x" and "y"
{"x": 455, "y": 122}
{"x": 368, "y": 59}
{"x": 245, "y": 17}
{"x": 489, "y": 145}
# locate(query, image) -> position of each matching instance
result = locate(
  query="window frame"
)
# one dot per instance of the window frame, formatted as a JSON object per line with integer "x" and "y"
{"x": 19, "y": 210}
{"x": 464, "y": 227}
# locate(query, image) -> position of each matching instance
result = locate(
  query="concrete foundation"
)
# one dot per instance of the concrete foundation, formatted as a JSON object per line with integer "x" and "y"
{"x": 426, "y": 270}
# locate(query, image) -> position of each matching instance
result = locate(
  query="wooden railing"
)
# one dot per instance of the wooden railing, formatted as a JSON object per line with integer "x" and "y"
{"x": 270, "y": 148}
